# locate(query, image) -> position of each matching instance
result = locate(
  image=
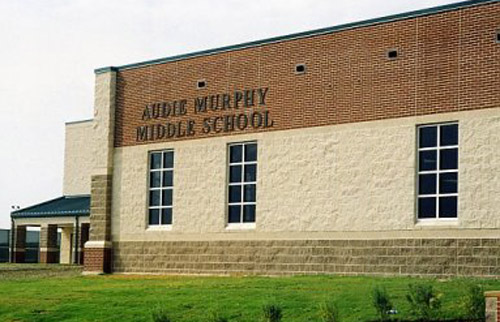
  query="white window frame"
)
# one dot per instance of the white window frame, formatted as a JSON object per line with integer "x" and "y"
{"x": 241, "y": 225}
{"x": 160, "y": 207}
{"x": 437, "y": 172}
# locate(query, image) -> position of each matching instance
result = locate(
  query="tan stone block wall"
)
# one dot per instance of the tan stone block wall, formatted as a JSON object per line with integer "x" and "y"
{"x": 78, "y": 158}
{"x": 100, "y": 208}
{"x": 346, "y": 178}
{"x": 414, "y": 257}
{"x": 103, "y": 125}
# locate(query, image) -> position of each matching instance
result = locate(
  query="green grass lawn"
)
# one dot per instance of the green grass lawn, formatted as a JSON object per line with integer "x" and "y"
{"x": 41, "y": 296}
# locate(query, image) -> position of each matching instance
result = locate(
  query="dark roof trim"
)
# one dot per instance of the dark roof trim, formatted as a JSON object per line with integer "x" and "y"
{"x": 78, "y": 122}
{"x": 305, "y": 34}
{"x": 50, "y": 215}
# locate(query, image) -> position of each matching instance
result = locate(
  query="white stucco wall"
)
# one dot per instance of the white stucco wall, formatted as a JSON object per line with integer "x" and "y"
{"x": 356, "y": 179}
{"x": 78, "y": 160}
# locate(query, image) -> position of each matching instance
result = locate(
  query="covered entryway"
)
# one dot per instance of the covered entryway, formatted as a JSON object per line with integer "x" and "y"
{"x": 67, "y": 214}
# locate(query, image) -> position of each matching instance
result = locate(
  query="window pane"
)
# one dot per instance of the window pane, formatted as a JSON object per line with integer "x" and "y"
{"x": 448, "y": 159}
{"x": 448, "y": 135}
{"x": 251, "y": 152}
{"x": 168, "y": 159}
{"x": 154, "y": 198}
{"x": 448, "y": 207}
{"x": 154, "y": 179}
{"x": 250, "y": 173}
{"x": 166, "y": 216}
{"x": 234, "y": 214}
{"x": 426, "y": 184}
{"x": 166, "y": 197}
{"x": 249, "y": 193}
{"x": 235, "y": 173}
{"x": 154, "y": 217}
{"x": 427, "y": 160}
{"x": 249, "y": 213}
{"x": 234, "y": 193}
{"x": 426, "y": 208}
{"x": 448, "y": 183}
{"x": 168, "y": 178}
{"x": 235, "y": 153}
{"x": 155, "y": 161}
{"x": 428, "y": 137}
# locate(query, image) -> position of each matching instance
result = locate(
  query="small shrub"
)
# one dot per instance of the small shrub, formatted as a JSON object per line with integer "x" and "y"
{"x": 160, "y": 315}
{"x": 382, "y": 303}
{"x": 424, "y": 301}
{"x": 328, "y": 312}
{"x": 272, "y": 313}
{"x": 474, "y": 302}
{"x": 216, "y": 317}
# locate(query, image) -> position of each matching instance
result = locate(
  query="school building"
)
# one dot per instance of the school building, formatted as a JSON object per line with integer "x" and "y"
{"x": 366, "y": 148}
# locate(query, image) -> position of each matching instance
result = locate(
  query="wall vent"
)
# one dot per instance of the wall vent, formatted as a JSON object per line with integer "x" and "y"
{"x": 201, "y": 84}
{"x": 392, "y": 54}
{"x": 300, "y": 68}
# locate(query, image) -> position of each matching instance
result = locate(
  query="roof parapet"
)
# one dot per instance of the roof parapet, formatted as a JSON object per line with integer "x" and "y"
{"x": 300, "y": 35}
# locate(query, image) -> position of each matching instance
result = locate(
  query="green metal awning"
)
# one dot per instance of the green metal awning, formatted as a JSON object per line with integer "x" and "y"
{"x": 59, "y": 207}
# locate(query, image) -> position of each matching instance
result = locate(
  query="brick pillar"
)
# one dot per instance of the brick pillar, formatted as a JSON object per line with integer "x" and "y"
{"x": 19, "y": 246}
{"x": 48, "y": 244}
{"x": 98, "y": 248}
{"x": 492, "y": 306}
{"x": 83, "y": 237}
{"x": 97, "y": 259}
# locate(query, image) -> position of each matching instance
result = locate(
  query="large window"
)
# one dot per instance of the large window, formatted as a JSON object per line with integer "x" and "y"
{"x": 438, "y": 171}
{"x": 242, "y": 183}
{"x": 161, "y": 183}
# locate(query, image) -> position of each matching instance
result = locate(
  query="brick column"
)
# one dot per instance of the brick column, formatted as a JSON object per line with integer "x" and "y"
{"x": 19, "y": 246}
{"x": 492, "y": 306}
{"x": 83, "y": 237}
{"x": 97, "y": 259}
{"x": 48, "y": 244}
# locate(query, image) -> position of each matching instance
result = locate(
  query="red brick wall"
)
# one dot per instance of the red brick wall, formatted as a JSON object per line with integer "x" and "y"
{"x": 97, "y": 260}
{"x": 498, "y": 308}
{"x": 447, "y": 62}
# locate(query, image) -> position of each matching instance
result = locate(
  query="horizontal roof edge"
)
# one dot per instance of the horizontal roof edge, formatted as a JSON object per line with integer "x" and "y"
{"x": 78, "y": 122}
{"x": 299, "y": 35}
{"x": 79, "y": 213}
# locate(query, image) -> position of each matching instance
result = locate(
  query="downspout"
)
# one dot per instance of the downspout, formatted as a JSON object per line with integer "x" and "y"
{"x": 76, "y": 241}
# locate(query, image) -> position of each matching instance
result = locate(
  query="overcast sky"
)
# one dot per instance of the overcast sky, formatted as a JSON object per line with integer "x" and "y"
{"x": 49, "y": 50}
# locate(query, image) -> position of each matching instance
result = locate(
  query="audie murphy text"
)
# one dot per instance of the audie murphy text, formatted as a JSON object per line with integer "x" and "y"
{"x": 235, "y": 111}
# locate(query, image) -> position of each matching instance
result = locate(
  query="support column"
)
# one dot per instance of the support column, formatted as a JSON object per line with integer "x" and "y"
{"x": 66, "y": 249}
{"x": 19, "y": 244}
{"x": 492, "y": 313}
{"x": 98, "y": 250}
{"x": 80, "y": 237}
{"x": 75, "y": 242}
{"x": 48, "y": 244}
{"x": 83, "y": 238}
